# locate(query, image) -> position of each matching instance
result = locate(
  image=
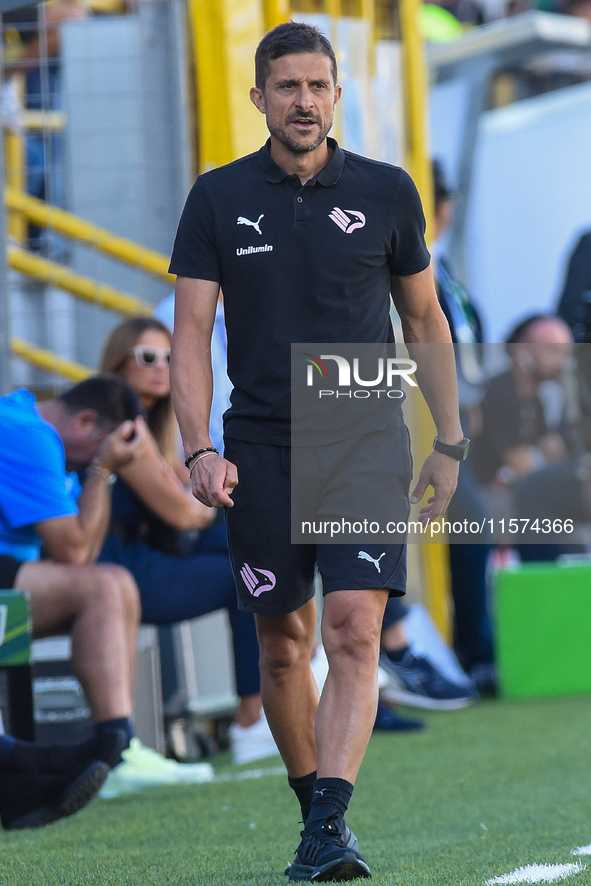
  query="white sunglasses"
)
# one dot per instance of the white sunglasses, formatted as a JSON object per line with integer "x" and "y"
{"x": 150, "y": 356}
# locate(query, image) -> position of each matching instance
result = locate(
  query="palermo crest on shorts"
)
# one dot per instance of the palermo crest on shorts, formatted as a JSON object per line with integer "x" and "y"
{"x": 255, "y": 585}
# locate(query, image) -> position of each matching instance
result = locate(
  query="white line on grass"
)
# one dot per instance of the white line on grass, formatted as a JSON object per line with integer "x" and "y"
{"x": 250, "y": 773}
{"x": 581, "y": 850}
{"x": 538, "y": 873}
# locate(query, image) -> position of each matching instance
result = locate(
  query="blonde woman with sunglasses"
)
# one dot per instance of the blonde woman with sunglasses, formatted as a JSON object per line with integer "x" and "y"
{"x": 178, "y": 579}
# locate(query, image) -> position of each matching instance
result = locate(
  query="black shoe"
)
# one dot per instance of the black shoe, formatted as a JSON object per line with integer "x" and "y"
{"x": 350, "y": 839}
{"x": 389, "y": 721}
{"x": 31, "y": 758}
{"x": 326, "y": 855}
{"x": 31, "y": 801}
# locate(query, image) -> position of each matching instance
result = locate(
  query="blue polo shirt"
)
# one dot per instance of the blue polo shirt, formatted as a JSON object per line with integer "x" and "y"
{"x": 34, "y": 485}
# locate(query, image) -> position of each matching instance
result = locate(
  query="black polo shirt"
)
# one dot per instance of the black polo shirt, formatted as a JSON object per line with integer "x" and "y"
{"x": 297, "y": 263}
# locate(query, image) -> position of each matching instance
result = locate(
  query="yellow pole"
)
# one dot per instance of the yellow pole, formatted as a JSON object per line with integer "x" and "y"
{"x": 213, "y": 123}
{"x": 54, "y": 121}
{"x": 46, "y": 215}
{"x": 15, "y": 176}
{"x": 434, "y": 557}
{"x": 53, "y": 274}
{"x": 416, "y": 103}
{"x": 275, "y": 12}
{"x": 224, "y": 36}
{"x": 244, "y": 26}
{"x": 368, "y": 12}
{"x": 49, "y": 361}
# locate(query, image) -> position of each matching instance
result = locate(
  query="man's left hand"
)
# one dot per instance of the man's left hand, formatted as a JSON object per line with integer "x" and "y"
{"x": 441, "y": 472}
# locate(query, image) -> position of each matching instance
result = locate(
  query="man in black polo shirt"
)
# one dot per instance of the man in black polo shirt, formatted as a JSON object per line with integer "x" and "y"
{"x": 307, "y": 241}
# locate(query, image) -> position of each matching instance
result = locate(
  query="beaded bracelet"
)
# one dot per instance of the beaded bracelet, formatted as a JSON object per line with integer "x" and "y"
{"x": 197, "y": 452}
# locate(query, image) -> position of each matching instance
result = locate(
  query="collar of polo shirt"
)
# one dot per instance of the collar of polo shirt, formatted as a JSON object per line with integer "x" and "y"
{"x": 328, "y": 175}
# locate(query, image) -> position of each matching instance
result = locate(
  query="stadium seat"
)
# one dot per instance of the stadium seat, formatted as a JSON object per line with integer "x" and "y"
{"x": 16, "y": 696}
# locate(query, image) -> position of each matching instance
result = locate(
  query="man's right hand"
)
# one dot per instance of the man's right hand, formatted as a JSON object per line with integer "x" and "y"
{"x": 212, "y": 480}
{"x": 122, "y": 445}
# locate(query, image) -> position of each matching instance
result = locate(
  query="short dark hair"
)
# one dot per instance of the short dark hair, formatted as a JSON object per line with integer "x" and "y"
{"x": 519, "y": 331}
{"x": 290, "y": 38}
{"x": 112, "y": 398}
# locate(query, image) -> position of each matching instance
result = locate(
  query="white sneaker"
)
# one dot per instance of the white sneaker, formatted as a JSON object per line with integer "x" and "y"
{"x": 249, "y": 743}
{"x": 143, "y": 767}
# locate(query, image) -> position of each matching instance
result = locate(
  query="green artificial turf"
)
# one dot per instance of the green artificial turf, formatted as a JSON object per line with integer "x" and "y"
{"x": 480, "y": 793}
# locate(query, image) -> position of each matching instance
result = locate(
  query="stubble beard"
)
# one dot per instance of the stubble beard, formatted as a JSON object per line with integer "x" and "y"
{"x": 296, "y": 147}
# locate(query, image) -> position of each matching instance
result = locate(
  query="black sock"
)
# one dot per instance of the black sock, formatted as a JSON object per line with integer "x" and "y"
{"x": 124, "y": 724}
{"x": 331, "y": 797}
{"x": 396, "y": 655}
{"x": 304, "y": 791}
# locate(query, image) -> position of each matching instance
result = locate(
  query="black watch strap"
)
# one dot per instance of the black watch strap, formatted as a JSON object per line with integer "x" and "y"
{"x": 459, "y": 451}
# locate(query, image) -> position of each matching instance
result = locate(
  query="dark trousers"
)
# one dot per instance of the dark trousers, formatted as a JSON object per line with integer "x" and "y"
{"x": 469, "y": 563}
{"x": 175, "y": 588}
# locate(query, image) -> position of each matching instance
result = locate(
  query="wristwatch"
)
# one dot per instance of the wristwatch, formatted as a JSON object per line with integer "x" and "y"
{"x": 459, "y": 451}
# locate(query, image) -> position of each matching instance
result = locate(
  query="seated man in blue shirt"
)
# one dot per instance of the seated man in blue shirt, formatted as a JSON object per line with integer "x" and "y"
{"x": 94, "y": 425}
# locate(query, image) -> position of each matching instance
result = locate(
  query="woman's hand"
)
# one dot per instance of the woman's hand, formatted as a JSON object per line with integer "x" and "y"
{"x": 158, "y": 487}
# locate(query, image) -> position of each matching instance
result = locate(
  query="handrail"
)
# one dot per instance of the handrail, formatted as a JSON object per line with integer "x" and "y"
{"x": 434, "y": 558}
{"x": 46, "y": 215}
{"x": 54, "y": 274}
{"x": 49, "y": 361}
{"x": 32, "y": 120}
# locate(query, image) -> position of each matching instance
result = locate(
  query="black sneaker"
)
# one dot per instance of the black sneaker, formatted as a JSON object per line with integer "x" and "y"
{"x": 328, "y": 855}
{"x": 31, "y": 801}
{"x": 54, "y": 759}
{"x": 350, "y": 839}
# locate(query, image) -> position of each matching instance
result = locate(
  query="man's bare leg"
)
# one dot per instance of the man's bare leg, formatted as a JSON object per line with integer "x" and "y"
{"x": 351, "y": 626}
{"x": 133, "y": 617}
{"x": 94, "y": 604}
{"x": 290, "y": 695}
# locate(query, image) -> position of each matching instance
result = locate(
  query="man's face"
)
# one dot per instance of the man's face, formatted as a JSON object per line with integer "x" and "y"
{"x": 82, "y": 437}
{"x": 299, "y": 100}
{"x": 546, "y": 350}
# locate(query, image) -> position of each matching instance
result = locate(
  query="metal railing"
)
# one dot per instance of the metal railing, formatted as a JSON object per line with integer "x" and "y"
{"x": 54, "y": 274}
{"x": 56, "y": 219}
{"x": 23, "y": 208}
{"x": 48, "y": 360}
